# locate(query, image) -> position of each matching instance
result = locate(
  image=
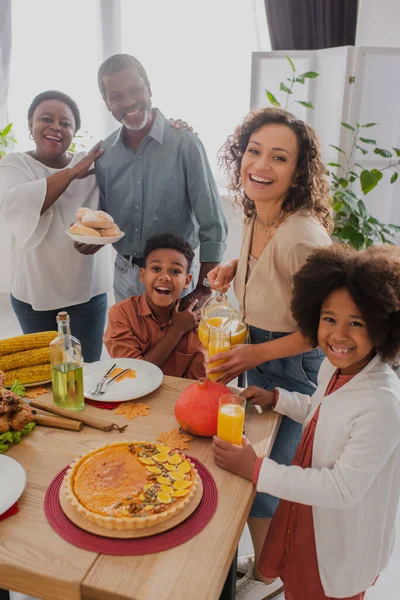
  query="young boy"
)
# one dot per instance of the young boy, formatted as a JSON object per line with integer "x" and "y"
{"x": 150, "y": 327}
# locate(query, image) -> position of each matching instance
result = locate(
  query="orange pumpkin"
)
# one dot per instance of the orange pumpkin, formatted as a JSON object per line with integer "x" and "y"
{"x": 196, "y": 409}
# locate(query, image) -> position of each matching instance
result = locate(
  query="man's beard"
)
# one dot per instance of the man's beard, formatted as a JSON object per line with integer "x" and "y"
{"x": 140, "y": 125}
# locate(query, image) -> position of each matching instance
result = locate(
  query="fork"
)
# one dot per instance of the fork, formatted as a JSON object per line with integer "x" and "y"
{"x": 99, "y": 385}
{"x": 105, "y": 385}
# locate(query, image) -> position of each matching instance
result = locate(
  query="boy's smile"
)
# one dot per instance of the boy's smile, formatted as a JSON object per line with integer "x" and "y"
{"x": 343, "y": 334}
{"x": 164, "y": 277}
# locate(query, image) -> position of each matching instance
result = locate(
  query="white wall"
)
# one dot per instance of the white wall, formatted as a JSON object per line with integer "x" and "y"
{"x": 378, "y": 23}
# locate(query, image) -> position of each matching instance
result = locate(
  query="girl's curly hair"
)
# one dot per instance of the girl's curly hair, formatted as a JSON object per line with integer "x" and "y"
{"x": 311, "y": 191}
{"x": 372, "y": 278}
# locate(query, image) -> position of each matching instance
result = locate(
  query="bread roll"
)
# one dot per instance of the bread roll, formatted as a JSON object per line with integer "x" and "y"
{"x": 79, "y": 229}
{"x": 98, "y": 220}
{"x": 111, "y": 232}
{"x": 83, "y": 211}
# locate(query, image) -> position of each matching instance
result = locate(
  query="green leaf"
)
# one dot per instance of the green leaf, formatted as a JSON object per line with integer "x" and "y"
{"x": 306, "y": 104}
{"x": 363, "y": 150}
{"x": 17, "y": 388}
{"x": 355, "y": 237}
{"x": 369, "y": 179}
{"x": 369, "y": 125}
{"x": 367, "y": 141}
{"x": 285, "y": 89}
{"x": 6, "y": 130}
{"x": 382, "y": 152}
{"x": 309, "y": 74}
{"x": 300, "y": 80}
{"x": 353, "y": 173}
{"x": 362, "y": 209}
{"x": 343, "y": 182}
{"x": 337, "y": 206}
{"x": 347, "y": 126}
{"x": 291, "y": 63}
{"x": 334, "y": 165}
{"x": 397, "y": 150}
{"x": 272, "y": 99}
{"x": 337, "y": 148}
{"x": 394, "y": 177}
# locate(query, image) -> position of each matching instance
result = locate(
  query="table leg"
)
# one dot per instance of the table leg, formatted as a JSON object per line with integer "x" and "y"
{"x": 229, "y": 589}
{"x": 4, "y": 595}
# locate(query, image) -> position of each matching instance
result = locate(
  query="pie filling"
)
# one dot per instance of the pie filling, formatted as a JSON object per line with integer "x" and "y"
{"x": 126, "y": 480}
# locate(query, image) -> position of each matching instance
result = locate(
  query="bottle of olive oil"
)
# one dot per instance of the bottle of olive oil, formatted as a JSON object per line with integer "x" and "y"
{"x": 66, "y": 367}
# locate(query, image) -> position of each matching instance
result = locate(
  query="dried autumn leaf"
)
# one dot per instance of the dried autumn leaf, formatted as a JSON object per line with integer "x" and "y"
{"x": 175, "y": 439}
{"x": 34, "y": 392}
{"x": 131, "y": 410}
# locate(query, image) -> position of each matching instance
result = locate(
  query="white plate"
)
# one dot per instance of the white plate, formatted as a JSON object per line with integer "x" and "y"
{"x": 12, "y": 482}
{"x": 148, "y": 378}
{"x": 96, "y": 241}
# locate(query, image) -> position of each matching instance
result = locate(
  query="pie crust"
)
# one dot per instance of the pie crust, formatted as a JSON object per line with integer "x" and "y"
{"x": 130, "y": 485}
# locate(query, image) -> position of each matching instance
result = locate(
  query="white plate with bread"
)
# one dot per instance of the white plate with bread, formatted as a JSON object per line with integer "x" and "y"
{"x": 94, "y": 227}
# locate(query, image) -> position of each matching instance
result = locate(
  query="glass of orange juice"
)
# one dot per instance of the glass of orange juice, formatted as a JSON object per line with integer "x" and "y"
{"x": 231, "y": 418}
{"x": 218, "y": 341}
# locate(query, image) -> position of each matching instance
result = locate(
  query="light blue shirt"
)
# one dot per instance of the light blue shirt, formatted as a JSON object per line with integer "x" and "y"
{"x": 166, "y": 185}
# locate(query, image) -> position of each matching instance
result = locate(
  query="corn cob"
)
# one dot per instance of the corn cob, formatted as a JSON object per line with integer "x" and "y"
{"x": 26, "y": 342}
{"x": 28, "y": 358}
{"x": 28, "y": 374}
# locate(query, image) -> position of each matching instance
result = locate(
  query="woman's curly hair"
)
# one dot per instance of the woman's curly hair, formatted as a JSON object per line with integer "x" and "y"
{"x": 311, "y": 191}
{"x": 372, "y": 278}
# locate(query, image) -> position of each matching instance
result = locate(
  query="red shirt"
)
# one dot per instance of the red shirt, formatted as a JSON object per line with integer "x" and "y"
{"x": 132, "y": 331}
{"x": 289, "y": 550}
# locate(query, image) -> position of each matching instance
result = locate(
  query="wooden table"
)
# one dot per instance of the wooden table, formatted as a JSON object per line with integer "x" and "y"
{"x": 36, "y": 561}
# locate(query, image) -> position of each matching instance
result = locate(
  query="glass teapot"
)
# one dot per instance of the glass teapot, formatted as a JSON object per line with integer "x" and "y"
{"x": 218, "y": 315}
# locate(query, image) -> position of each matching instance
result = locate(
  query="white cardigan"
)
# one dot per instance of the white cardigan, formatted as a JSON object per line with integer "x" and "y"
{"x": 354, "y": 483}
{"x": 46, "y": 270}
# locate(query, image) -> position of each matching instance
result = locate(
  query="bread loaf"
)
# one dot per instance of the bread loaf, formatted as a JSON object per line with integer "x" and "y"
{"x": 111, "y": 232}
{"x": 83, "y": 211}
{"x": 98, "y": 220}
{"x": 79, "y": 229}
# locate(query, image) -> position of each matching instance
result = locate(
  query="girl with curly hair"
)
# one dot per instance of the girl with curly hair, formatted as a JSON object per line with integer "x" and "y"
{"x": 333, "y": 531}
{"x": 275, "y": 166}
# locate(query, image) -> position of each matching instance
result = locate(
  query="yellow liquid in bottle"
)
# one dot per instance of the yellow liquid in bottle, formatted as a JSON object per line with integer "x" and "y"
{"x": 67, "y": 382}
{"x": 214, "y": 347}
{"x": 230, "y": 423}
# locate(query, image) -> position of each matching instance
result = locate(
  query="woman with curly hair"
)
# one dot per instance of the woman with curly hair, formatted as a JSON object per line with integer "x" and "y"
{"x": 333, "y": 531}
{"x": 276, "y": 171}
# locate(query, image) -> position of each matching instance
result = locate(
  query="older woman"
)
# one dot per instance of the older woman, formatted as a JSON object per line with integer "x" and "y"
{"x": 40, "y": 192}
{"x": 276, "y": 170}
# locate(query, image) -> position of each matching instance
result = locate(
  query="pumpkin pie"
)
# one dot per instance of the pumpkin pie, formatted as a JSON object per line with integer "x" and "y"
{"x": 130, "y": 485}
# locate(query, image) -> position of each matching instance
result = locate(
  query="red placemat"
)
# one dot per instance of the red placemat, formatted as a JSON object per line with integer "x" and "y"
{"x": 149, "y": 545}
{"x": 11, "y": 511}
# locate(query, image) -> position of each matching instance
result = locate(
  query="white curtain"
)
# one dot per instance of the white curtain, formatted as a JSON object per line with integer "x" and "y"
{"x": 5, "y": 58}
{"x": 197, "y": 54}
{"x": 56, "y": 45}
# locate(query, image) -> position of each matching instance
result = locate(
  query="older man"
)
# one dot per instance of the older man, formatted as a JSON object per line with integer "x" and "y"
{"x": 154, "y": 179}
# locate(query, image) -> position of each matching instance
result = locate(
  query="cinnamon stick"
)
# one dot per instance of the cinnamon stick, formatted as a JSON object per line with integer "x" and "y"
{"x": 70, "y": 414}
{"x": 58, "y": 422}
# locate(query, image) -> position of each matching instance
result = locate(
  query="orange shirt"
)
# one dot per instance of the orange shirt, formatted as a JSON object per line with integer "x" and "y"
{"x": 132, "y": 331}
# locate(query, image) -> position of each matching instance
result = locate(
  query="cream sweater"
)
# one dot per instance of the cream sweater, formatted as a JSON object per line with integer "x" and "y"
{"x": 265, "y": 298}
{"x": 354, "y": 483}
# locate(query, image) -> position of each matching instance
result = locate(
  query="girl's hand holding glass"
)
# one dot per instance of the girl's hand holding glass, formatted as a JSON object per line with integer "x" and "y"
{"x": 258, "y": 396}
{"x": 237, "y": 459}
